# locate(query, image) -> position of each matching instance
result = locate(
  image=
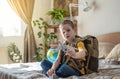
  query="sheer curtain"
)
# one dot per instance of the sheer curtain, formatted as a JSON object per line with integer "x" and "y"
{"x": 24, "y": 8}
{"x": 10, "y": 24}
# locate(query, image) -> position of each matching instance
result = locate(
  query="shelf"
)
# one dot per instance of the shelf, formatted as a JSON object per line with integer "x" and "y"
{"x": 55, "y": 27}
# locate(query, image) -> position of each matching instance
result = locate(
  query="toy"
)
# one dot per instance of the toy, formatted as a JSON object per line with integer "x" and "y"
{"x": 65, "y": 48}
{"x": 52, "y": 54}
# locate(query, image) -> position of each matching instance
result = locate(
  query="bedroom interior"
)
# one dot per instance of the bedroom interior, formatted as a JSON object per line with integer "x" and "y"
{"x": 102, "y": 21}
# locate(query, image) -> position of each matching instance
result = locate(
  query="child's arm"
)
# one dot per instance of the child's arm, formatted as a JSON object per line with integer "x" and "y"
{"x": 54, "y": 66}
{"x": 81, "y": 51}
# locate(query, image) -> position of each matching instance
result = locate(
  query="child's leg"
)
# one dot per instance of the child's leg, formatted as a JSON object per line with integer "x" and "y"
{"x": 46, "y": 65}
{"x": 65, "y": 71}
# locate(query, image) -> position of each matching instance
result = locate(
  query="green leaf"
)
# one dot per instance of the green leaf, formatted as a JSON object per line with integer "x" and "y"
{"x": 39, "y": 34}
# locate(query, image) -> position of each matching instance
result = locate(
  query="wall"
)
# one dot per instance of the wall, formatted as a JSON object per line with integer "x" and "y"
{"x": 40, "y": 9}
{"x": 103, "y": 18}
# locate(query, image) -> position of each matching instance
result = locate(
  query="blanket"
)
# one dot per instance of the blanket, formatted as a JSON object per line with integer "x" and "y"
{"x": 33, "y": 71}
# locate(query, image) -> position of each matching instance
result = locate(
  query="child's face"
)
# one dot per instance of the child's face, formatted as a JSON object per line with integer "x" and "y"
{"x": 67, "y": 32}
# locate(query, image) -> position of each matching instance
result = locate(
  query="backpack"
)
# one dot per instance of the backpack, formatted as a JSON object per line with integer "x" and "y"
{"x": 92, "y": 63}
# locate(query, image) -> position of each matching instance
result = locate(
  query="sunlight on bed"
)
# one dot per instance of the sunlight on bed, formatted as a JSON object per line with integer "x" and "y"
{"x": 23, "y": 66}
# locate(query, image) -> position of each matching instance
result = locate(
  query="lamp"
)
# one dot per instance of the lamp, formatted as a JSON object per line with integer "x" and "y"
{"x": 85, "y": 5}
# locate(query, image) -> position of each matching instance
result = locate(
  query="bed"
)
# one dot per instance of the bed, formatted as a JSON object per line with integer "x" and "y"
{"x": 109, "y": 63}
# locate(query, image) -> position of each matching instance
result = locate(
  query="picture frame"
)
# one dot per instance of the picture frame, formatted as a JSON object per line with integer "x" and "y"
{"x": 64, "y": 4}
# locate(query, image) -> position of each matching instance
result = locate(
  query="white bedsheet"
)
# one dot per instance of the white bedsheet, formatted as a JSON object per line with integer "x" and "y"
{"x": 20, "y": 71}
{"x": 32, "y": 71}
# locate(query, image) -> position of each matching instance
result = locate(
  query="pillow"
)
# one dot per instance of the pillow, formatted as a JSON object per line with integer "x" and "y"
{"x": 114, "y": 55}
{"x": 105, "y": 48}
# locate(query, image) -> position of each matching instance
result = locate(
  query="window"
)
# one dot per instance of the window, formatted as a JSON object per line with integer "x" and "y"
{"x": 10, "y": 22}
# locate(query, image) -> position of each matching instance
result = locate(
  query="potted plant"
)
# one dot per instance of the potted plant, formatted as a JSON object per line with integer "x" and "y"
{"x": 48, "y": 37}
{"x": 14, "y": 53}
{"x": 56, "y": 15}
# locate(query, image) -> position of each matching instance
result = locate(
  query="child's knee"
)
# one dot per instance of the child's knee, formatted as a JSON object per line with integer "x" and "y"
{"x": 62, "y": 69}
{"x": 43, "y": 62}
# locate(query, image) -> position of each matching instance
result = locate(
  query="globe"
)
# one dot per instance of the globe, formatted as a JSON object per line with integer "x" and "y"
{"x": 52, "y": 54}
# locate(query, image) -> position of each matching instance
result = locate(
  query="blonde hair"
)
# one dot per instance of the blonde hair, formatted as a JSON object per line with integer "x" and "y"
{"x": 67, "y": 22}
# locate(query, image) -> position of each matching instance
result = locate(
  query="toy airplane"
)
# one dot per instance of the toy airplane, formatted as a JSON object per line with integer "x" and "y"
{"x": 64, "y": 48}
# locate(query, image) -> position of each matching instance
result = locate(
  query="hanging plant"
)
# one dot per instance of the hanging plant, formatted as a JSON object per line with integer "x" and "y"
{"x": 56, "y": 15}
{"x": 48, "y": 37}
{"x": 14, "y": 53}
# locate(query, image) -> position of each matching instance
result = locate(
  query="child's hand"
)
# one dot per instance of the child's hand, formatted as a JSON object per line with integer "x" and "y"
{"x": 50, "y": 72}
{"x": 71, "y": 51}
